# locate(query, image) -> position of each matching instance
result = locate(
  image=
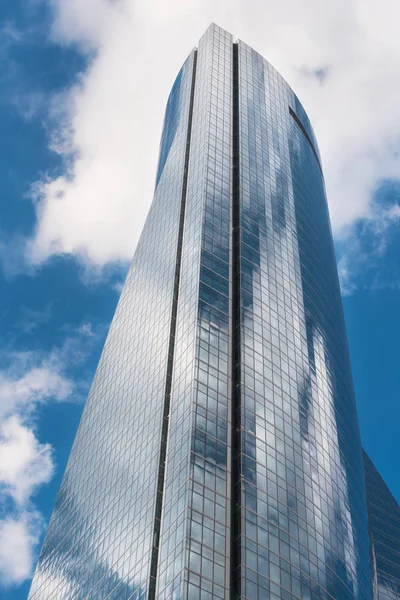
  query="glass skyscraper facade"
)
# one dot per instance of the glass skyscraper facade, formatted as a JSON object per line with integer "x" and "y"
{"x": 384, "y": 520}
{"x": 219, "y": 454}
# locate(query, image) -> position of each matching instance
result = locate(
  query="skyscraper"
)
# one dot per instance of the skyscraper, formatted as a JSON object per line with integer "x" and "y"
{"x": 384, "y": 520}
{"x": 219, "y": 455}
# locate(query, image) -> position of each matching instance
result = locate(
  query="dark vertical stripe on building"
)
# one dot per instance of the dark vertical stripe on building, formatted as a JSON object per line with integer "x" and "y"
{"x": 236, "y": 321}
{"x": 303, "y": 129}
{"x": 170, "y": 363}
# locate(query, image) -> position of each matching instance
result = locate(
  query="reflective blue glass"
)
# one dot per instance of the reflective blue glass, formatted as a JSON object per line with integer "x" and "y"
{"x": 301, "y": 524}
{"x": 384, "y": 521}
{"x": 171, "y": 123}
{"x": 100, "y": 538}
{"x": 219, "y": 455}
{"x": 194, "y": 549}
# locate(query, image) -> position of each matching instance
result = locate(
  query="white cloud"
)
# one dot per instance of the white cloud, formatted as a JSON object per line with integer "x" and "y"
{"x": 25, "y": 464}
{"x": 364, "y": 256}
{"x": 27, "y": 380}
{"x": 110, "y": 122}
{"x": 36, "y": 385}
{"x": 18, "y": 538}
{"x": 346, "y": 276}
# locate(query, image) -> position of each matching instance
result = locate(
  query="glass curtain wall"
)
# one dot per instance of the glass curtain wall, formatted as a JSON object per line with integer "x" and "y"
{"x": 219, "y": 455}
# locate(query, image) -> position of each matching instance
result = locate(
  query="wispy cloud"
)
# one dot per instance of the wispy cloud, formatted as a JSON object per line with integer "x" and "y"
{"x": 37, "y": 384}
{"x": 28, "y": 101}
{"x": 368, "y": 251}
{"x": 30, "y": 320}
{"x": 10, "y": 34}
{"x": 28, "y": 380}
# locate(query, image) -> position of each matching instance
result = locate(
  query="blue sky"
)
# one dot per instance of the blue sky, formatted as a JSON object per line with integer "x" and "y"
{"x": 81, "y": 102}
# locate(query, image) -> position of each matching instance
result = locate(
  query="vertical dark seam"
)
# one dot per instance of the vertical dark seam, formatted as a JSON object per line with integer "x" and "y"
{"x": 303, "y": 129}
{"x": 236, "y": 350}
{"x": 171, "y": 349}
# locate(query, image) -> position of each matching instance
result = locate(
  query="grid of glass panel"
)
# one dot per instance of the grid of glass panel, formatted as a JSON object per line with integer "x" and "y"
{"x": 100, "y": 537}
{"x": 195, "y": 543}
{"x": 301, "y": 525}
{"x": 384, "y": 521}
{"x": 274, "y": 441}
